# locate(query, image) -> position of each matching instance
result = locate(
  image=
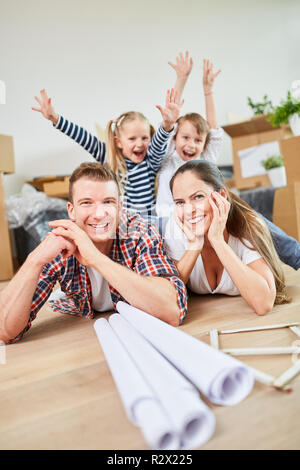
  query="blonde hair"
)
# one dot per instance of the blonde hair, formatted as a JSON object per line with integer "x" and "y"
{"x": 243, "y": 222}
{"x": 115, "y": 158}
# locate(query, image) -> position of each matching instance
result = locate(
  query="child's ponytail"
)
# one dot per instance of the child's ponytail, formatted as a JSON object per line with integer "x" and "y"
{"x": 115, "y": 158}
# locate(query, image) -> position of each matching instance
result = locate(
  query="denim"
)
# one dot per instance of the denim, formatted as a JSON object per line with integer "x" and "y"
{"x": 288, "y": 248}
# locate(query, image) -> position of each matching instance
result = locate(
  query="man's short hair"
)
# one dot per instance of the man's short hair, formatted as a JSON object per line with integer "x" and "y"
{"x": 94, "y": 171}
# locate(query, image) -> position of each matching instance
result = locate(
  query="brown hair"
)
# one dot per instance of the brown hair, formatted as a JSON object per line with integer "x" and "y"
{"x": 115, "y": 157}
{"x": 198, "y": 122}
{"x": 243, "y": 222}
{"x": 94, "y": 171}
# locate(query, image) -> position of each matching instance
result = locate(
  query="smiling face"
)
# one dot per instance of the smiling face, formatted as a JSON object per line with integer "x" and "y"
{"x": 95, "y": 209}
{"x": 134, "y": 139}
{"x": 191, "y": 197}
{"x": 189, "y": 143}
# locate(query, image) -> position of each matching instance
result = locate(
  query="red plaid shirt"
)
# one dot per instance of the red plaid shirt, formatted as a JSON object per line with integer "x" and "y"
{"x": 137, "y": 246}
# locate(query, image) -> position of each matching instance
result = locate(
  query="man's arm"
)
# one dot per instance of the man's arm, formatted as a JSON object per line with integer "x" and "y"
{"x": 151, "y": 293}
{"x": 85, "y": 139}
{"x": 16, "y": 298}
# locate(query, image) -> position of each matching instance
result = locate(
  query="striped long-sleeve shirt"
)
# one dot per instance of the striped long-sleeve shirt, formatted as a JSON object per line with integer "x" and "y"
{"x": 140, "y": 178}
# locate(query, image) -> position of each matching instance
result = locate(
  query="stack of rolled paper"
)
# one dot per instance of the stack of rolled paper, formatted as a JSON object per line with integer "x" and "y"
{"x": 159, "y": 371}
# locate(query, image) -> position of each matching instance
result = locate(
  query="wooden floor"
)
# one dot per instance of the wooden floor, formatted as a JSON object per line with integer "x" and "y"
{"x": 56, "y": 391}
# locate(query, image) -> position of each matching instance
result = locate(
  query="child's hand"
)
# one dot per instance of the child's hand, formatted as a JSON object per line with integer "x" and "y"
{"x": 172, "y": 109}
{"x": 208, "y": 76}
{"x": 183, "y": 66}
{"x": 46, "y": 107}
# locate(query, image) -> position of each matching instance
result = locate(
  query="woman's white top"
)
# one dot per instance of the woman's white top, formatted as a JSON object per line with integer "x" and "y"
{"x": 101, "y": 298}
{"x": 171, "y": 163}
{"x": 176, "y": 244}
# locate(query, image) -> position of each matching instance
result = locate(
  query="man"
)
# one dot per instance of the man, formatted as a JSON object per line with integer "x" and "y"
{"x": 100, "y": 256}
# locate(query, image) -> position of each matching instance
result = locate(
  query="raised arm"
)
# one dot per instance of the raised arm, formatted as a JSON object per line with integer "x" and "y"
{"x": 208, "y": 83}
{"x": 16, "y": 299}
{"x": 85, "y": 139}
{"x": 183, "y": 68}
{"x": 158, "y": 145}
{"x": 46, "y": 108}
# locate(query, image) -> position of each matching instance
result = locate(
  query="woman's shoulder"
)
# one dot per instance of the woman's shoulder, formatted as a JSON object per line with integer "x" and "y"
{"x": 244, "y": 249}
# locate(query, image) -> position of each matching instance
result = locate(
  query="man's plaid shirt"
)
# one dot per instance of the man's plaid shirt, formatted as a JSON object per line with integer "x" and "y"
{"x": 137, "y": 245}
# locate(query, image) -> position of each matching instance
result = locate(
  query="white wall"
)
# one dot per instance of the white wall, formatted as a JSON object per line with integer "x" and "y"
{"x": 97, "y": 59}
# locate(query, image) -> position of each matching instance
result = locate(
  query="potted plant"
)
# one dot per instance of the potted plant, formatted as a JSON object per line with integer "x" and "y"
{"x": 263, "y": 107}
{"x": 287, "y": 112}
{"x": 274, "y": 166}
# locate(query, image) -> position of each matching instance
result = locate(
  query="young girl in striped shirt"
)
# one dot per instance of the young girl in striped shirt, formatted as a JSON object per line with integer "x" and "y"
{"x": 134, "y": 151}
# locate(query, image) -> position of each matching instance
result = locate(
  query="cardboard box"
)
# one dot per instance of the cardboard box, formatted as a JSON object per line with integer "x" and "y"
{"x": 256, "y": 131}
{"x": 286, "y": 209}
{"x": 53, "y": 186}
{"x": 7, "y": 161}
{"x": 290, "y": 150}
{"x": 6, "y": 263}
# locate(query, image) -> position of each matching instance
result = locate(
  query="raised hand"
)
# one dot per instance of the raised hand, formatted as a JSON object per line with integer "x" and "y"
{"x": 220, "y": 208}
{"x": 208, "y": 76}
{"x": 46, "y": 107}
{"x": 183, "y": 66}
{"x": 171, "y": 112}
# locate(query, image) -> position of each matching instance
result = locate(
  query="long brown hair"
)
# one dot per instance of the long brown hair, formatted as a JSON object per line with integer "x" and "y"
{"x": 243, "y": 222}
{"x": 115, "y": 158}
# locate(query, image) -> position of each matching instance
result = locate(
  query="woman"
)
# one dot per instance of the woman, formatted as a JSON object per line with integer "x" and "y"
{"x": 219, "y": 243}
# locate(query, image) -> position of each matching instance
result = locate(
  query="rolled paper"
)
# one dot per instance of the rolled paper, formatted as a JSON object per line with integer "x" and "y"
{"x": 140, "y": 403}
{"x": 224, "y": 380}
{"x": 191, "y": 418}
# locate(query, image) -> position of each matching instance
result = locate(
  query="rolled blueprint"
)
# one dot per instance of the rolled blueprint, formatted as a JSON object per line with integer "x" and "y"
{"x": 191, "y": 419}
{"x": 140, "y": 403}
{"x": 222, "y": 379}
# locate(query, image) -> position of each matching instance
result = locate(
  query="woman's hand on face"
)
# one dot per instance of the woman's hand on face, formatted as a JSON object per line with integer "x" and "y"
{"x": 195, "y": 240}
{"x": 220, "y": 209}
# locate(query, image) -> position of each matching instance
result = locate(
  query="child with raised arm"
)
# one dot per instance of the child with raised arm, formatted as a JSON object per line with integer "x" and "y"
{"x": 135, "y": 151}
{"x": 195, "y": 137}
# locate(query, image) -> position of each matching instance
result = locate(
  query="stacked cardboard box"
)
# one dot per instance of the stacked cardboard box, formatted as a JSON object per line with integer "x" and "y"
{"x": 286, "y": 211}
{"x": 53, "y": 186}
{"x": 7, "y": 165}
{"x": 248, "y": 135}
